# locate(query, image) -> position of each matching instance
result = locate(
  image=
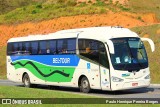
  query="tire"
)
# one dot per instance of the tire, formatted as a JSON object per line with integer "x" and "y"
{"x": 84, "y": 85}
{"x": 26, "y": 81}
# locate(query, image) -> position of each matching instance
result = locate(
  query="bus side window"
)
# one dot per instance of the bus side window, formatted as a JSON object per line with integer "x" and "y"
{"x": 60, "y": 46}
{"x": 34, "y": 48}
{"x": 42, "y": 47}
{"x": 89, "y": 49}
{"x": 27, "y": 48}
{"x": 19, "y": 48}
{"x": 10, "y": 49}
{"x": 103, "y": 58}
{"x": 71, "y": 46}
{"x": 52, "y": 46}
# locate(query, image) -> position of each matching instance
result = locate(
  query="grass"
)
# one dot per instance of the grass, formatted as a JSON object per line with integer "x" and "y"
{"x": 154, "y": 58}
{"x": 21, "y": 92}
{"x": 45, "y": 11}
{"x": 3, "y": 63}
{"x": 41, "y": 12}
{"x": 25, "y": 11}
{"x": 50, "y": 9}
{"x": 145, "y": 6}
{"x": 9, "y": 5}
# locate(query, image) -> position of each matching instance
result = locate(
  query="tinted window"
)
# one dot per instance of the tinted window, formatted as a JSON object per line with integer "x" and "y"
{"x": 34, "y": 47}
{"x": 15, "y": 47}
{"x": 66, "y": 46}
{"x": 93, "y": 50}
{"x": 43, "y": 47}
{"x": 103, "y": 56}
{"x": 27, "y": 47}
{"x": 10, "y": 48}
{"x": 71, "y": 46}
{"x": 89, "y": 49}
{"x": 52, "y": 46}
{"x": 61, "y": 46}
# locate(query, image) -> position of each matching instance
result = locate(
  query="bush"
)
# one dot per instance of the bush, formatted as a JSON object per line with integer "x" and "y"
{"x": 34, "y": 12}
{"x": 39, "y": 6}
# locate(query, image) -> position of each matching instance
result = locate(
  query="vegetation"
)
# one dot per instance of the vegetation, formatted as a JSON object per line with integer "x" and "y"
{"x": 3, "y": 63}
{"x": 19, "y": 11}
{"x": 9, "y": 5}
{"x": 145, "y": 6}
{"x": 22, "y": 92}
{"x": 47, "y": 9}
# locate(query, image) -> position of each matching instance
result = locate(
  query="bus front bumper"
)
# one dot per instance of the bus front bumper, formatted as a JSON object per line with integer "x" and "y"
{"x": 129, "y": 85}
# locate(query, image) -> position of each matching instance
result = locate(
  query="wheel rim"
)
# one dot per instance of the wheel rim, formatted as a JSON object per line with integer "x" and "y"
{"x": 26, "y": 81}
{"x": 85, "y": 84}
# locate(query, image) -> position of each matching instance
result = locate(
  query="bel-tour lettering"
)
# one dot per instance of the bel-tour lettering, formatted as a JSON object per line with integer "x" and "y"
{"x": 61, "y": 60}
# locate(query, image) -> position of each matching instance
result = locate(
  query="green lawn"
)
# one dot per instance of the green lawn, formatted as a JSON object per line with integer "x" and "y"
{"x": 22, "y": 92}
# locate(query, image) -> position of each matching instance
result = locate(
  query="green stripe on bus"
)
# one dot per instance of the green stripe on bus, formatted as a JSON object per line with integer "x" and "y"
{"x": 47, "y": 73}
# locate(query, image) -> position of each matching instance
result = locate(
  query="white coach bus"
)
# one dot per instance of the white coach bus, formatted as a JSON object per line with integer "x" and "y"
{"x": 105, "y": 58}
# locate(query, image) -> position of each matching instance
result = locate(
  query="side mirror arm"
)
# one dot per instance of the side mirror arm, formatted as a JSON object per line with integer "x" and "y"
{"x": 150, "y": 42}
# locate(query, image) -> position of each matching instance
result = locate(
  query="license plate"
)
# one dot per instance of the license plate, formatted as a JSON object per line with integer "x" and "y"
{"x": 134, "y": 84}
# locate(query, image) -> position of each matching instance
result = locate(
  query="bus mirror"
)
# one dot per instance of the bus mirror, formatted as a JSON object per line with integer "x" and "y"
{"x": 150, "y": 42}
{"x": 111, "y": 46}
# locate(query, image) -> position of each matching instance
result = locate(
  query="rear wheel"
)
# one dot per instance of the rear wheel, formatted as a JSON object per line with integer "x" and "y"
{"x": 26, "y": 81}
{"x": 84, "y": 85}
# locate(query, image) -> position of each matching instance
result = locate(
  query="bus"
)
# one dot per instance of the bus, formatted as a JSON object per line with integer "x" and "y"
{"x": 104, "y": 58}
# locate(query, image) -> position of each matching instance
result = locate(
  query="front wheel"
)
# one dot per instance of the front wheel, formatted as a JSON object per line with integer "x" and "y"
{"x": 26, "y": 81}
{"x": 84, "y": 86}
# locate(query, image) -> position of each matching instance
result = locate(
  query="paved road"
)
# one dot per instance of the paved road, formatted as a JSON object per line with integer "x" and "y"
{"x": 151, "y": 92}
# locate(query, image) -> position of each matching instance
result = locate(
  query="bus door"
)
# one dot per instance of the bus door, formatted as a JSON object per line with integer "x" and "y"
{"x": 104, "y": 68}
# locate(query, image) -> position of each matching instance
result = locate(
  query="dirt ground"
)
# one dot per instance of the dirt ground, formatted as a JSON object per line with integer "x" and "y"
{"x": 123, "y": 19}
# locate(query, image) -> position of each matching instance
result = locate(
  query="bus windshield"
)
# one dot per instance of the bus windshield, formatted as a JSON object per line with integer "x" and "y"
{"x": 130, "y": 54}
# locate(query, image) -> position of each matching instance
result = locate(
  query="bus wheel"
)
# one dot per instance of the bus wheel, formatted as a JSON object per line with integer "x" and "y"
{"x": 84, "y": 86}
{"x": 26, "y": 81}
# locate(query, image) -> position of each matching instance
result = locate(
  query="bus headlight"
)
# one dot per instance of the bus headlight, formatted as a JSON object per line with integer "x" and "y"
{"x": 147, "y": 77}
{"x": 116, "y": 79}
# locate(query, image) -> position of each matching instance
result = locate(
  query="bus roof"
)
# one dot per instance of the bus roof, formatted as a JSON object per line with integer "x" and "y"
{"x": 97, "y": 33}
